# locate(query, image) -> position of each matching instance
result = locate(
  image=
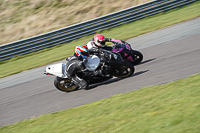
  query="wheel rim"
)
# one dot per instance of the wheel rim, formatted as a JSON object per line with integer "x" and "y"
{"x": 64, "y": 85}
{"x": 136, "y": 58}
{"x": 124, "y": 71}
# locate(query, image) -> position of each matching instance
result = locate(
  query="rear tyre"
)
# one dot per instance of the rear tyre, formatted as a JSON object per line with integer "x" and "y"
{"x": 64, "y": 84}
{"x": 137, "y": 57}
{"x": 125, "y": 70}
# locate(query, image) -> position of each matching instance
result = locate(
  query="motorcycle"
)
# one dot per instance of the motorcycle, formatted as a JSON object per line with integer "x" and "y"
{"x": 125, "y": 50}
{"x": 109, "y": 62}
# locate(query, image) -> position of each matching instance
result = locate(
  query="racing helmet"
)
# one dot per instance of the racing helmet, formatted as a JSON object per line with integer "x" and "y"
{"x": 99, "y": 40}
{"x": 82, "y": 51}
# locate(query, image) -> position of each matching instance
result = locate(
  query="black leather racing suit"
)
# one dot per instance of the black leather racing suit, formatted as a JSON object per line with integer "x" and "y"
{"x": 74, "y": 65}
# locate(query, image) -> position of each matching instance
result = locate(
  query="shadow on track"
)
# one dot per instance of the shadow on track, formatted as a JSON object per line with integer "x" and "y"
{"x": 146, "y": 61}
{"x": 92, "y": 86}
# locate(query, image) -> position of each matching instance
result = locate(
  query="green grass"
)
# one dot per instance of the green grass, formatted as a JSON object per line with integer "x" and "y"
{"x": 172, "y": 107}
{"x": 25, "y": 62}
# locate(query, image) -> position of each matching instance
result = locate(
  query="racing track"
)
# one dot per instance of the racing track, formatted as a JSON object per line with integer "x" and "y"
{"x": 169, "y": 54}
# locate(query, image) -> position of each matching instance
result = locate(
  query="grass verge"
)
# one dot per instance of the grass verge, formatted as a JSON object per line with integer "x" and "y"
{"x": 21, "y": 19}
{"x": 172, "y": 107}
{"x": 25, "y": 62}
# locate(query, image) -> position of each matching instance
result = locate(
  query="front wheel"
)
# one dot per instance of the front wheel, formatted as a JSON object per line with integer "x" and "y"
{"x": 64, "y": 84}
{"x": 137, "y": 57}
{"x": 123, "y": 71}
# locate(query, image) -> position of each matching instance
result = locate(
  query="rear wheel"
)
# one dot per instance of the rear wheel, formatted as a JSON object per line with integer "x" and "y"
{"x": 125, "y": 70}
{"x": 64, "y": 84}
{"x": 137, "y": 57}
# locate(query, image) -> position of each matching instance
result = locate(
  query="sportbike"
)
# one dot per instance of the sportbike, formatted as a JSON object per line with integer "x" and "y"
{"x": 110, "y": 63}
{"x": 126, "y": 51}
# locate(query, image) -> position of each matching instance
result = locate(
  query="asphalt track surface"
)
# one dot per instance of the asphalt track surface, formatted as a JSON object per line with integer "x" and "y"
{"x": 169, "y": 54}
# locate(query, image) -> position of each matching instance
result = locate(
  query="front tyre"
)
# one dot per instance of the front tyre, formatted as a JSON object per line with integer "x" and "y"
{"x": 123, "y": 71}
{"x": 137, "y": 57}
{"x": 64, "y": 84}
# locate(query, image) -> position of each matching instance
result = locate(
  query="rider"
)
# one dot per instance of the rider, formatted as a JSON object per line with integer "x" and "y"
{"x": 75, "y": 64}
{"x": 98, "y": 42}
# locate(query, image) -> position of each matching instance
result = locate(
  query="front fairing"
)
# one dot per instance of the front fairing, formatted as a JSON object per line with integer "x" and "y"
{"x": 121, "y": 46}
{"x": 118, "y": 46}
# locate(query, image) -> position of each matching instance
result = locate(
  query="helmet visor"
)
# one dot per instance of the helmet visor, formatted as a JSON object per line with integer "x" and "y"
{"x": 85, "y": 53}
{"x": 102, "y": 42}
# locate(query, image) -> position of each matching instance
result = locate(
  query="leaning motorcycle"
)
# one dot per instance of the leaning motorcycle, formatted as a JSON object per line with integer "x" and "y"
{"x": 109, "y": 62}
{"x": 126, "y": 51}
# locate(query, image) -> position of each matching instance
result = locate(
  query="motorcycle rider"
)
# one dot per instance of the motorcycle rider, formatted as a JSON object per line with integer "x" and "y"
{"x": 75, "y": 64}
{"x": 98, "y": 41}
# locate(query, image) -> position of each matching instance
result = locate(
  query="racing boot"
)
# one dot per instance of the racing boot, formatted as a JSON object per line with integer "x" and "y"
{"x": 81, "y": 83}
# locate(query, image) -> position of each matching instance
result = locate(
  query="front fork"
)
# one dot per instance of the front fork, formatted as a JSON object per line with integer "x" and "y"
{"x": 127, "y": 55}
